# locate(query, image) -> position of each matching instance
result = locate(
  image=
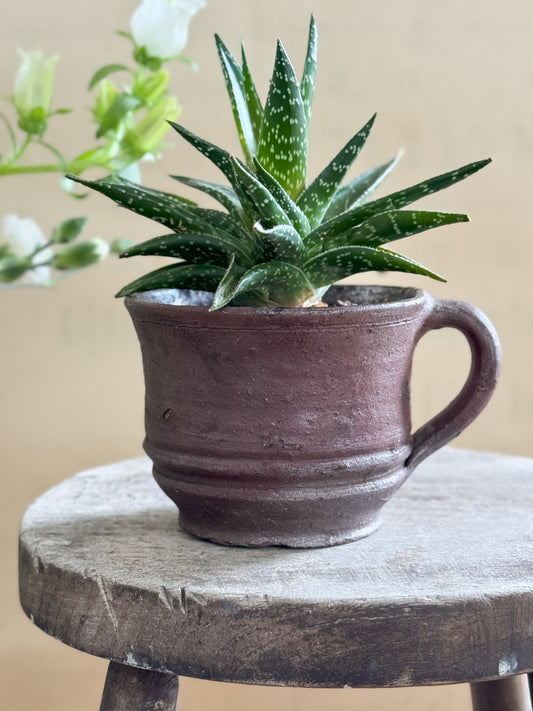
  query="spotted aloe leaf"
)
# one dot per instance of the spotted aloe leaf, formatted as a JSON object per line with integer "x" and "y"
{"x": 165, "y": 209}
{"x": 218, "y": 156}
{"x": 277, "y": 242}
{"x": 194, "y": 248}
{"x": 234, "y": 78}
{"x": 224, "y": 194}
{"x": 273, "y": 283}
{"x": 266, "y": 207}
{"x": 394, "y": 201}
{"x": 203, "y": 277}
{"x": 358, "y": 190}
{"x": 281, "y": 242}
{"x": 278, "y": 192}
{"x": 341, "y": 262}
{"x": 307, "y": 85}
{"x": 282, "y": 146}
{"x": 227, "y": 285}
{"x": 255, "y": 108}
{"x": 394, "y": 225}
{"x": 316, "y": 198}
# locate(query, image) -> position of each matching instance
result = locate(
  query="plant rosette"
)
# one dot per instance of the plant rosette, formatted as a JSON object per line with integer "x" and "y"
{"x": 269, "y": 422}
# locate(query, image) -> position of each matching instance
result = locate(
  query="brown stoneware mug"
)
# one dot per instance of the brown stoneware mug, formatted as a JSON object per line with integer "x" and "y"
{"x": 292, "y": 426}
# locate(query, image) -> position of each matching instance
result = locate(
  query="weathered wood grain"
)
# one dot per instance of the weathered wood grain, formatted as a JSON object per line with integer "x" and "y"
{"x": 443, "y": 592}
{"x": 131, "y": 689}
{"x": 509, "y": 694}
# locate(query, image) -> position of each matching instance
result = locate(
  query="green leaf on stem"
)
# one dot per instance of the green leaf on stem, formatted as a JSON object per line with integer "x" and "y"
{"x": 104, "y": 72}
{"x": 123, "y": 105}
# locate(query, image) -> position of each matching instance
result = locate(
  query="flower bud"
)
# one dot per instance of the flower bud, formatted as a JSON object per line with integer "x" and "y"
{"x": 82, "y": 254}
{"x": 12, "y": 268}
{"x": 150, "y": 89}
{"x": 33, "y": 90}
{"x": 121, "y": 244}
{"x": 107, "y": 93}
{"x": 68, "y": 230}
{"x": 160, "y": 27}
{"x": 146, "y": 136}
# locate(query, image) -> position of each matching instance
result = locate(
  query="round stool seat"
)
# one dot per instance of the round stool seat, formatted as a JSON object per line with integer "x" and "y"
{"x": 442, "y": 592}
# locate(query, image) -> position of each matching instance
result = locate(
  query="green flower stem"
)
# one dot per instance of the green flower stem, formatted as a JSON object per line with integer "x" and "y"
{"x": 74, "y": 167}
{"x": 7, "y": 169}
{"x": 10, "y": 131}
{"x": 53, "y": 150}
{"x": 41, "y": 248}
{"x": 18, "y": 151}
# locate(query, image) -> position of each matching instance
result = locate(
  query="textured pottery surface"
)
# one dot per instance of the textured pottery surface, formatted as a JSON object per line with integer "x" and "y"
{"x": 292, "y": 426}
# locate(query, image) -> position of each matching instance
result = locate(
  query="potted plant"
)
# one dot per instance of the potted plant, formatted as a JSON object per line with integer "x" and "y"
{"x": 269, "y": 419}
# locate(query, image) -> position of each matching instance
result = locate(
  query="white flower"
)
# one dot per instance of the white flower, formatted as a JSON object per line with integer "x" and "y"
{"x": 100, "y": 247}
{"x": 23, "y": 236}
{"x": 161, "y": 26}
{"x": 33, "y": 90}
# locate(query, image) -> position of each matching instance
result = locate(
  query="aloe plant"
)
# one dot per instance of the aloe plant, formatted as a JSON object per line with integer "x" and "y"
{"x": 280, "y": 240}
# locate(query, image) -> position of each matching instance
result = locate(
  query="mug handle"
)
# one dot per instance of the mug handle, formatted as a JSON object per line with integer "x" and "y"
{"x": 476, "y": 392}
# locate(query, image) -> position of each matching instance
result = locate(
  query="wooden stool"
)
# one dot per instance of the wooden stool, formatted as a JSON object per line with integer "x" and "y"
{"x": 442, "y": 593}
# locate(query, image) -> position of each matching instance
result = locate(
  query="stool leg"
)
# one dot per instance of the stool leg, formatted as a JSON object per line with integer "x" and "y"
{"x": 132, "y": 689}
{"x": 508, "y": 694}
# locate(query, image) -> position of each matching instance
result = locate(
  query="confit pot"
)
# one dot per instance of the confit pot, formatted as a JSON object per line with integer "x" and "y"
{"x": 292, "y": 426}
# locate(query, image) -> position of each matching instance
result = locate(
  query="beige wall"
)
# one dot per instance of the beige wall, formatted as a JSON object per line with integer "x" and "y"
{"x": 451, "y": 82}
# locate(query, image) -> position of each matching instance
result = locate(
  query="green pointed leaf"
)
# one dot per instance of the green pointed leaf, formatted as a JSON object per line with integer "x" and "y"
{"x": 164, "y": 208}
{"x": 395, "y": 201}
{"x": 266, "y": 208}
{"x": 218, "y": 156}
{"x": 316, "y": 198}
{"x": 193, "y": 248}
{"x": 255, "y": 108}
{"x": 282, "y": 146}
{"x": 358, "y": 190}
{"x": 226, "y": 288}
{"x": 234, "y": 79}
{"x": 203, "y": 277}
{"x": 328, "y": 267}
{"x": 117, "y": 179}
{"x": 281, "y": 242}
{"x": 104, "y": 72}
{"x": 225, "y": 195}
{"x": 278, "y": 192}
{"x": 390, "y": 226}
{"x": 273, "y": 284}
{"x": 307, "y": 85}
